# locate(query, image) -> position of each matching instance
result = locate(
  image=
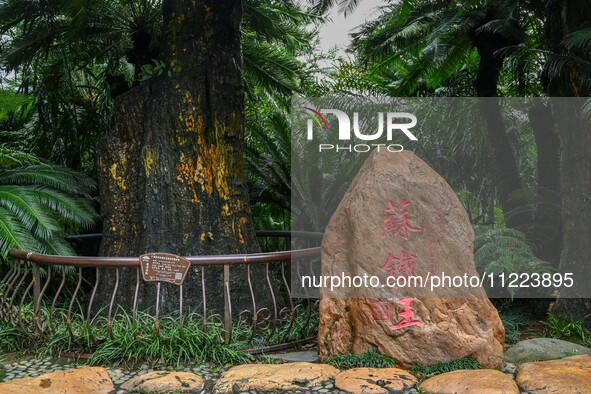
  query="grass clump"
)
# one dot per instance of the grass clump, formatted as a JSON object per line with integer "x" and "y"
{"x": 567, "y": 328}
{"x": 12, "y": 339}
{"x": 425, "y": 371}
{"x": 512, "y": 320}
{"x": 131, "y": 342}
{"x": 369, "y": 359}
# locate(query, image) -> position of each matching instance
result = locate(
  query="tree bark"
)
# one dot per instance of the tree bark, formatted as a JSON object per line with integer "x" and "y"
{"x": 565, "y": 17}
{"x": 506, "y": 172}
{"x": 171, "y": 170}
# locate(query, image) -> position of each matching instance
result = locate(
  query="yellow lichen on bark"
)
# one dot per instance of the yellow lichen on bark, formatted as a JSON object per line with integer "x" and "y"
{"x": 187, "y": 174}
{"x": 243, "y": 223}
{"x": 149, "y": 160}
{"x": 117, "y": 178}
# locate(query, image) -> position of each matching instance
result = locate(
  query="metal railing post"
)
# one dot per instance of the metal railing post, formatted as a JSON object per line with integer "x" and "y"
{"x": 227, "y": 305}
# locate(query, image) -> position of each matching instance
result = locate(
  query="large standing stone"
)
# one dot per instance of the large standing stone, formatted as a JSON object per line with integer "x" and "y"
{"x": 92, "y": 380}
{"x": 568, "y": 375}
{"x": 400, "y": 218}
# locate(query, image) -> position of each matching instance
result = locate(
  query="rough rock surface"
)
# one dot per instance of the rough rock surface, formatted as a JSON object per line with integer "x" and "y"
{"x": 400, "y": 218}
{"x": 480, "y": 381}
{"x": 568, "y": 375}
{"x": 542, "y": 349}
{"x": 90, "y": 380}
{"x": 374, "y": 380}
{"x": 270, "y": 377}
{"x": 164, "y": 382}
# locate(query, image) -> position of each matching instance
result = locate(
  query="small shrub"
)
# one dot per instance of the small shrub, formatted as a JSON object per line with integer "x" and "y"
{"x": 424, "y": 371}
{"x": 369, "y": 359}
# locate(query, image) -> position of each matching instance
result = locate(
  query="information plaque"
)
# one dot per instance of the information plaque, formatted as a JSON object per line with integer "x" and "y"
{"x": 164, "y": 267}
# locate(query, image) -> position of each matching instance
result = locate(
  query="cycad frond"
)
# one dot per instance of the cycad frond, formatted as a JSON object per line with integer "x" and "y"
{"x": 57, "y": 246}
{"x": 23, "y": 204}
{"x": 59, "y": 178}
{"x": 14, "y": 235}
{"x": 12, "y": 158}
{"x": 73, "y": 210}
{"x": 578, "y": 40}
{"x": 269, "y": 65}
{"x": 39, "y": 204}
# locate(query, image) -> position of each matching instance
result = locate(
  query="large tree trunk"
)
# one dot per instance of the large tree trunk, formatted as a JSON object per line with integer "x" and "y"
{"x": 171, "y": 170}
{"x": 545, "y": 233}
{"x": 565, "y": 17}
{"x": 506, "y": 172}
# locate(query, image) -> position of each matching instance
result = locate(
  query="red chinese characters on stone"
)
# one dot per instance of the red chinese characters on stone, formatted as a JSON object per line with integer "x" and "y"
{"x": 396, "y": 221}
{"x": 380, "y": 310}
{"x": 407, "y": 315}
{"x": 403, "y": 265}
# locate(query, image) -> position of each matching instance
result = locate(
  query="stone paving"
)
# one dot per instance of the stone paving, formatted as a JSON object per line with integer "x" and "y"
{"x": 566, "y": 371}
{"x": 35, "y": 367}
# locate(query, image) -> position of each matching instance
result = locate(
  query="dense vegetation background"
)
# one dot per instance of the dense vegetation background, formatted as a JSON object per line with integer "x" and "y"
{"x": 68, "y": 64}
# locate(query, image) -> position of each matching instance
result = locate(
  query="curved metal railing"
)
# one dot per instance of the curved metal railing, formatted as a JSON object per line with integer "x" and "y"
{"x": 43, "y": 293}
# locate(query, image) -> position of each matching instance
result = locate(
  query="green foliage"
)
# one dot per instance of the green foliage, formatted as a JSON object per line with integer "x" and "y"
{"x": 78, "y": 56}
{"x": 425, "y": 371}
{"x": 12, "y": 339}
{"x": 567, "y": 328}
{"x": 513, "y": 319}
{"x": 269, "y": 360}
{"x": 155, "y": 69}
{"x": 427, "y": 47}
{"x": 579, "y": 39}
{"x": 505, "y": 250}
{"x": 369, "y": 359}
{"x": 40, "y": 203}
{"x": 11, "y": 102}
{"x": 133, "y": 342}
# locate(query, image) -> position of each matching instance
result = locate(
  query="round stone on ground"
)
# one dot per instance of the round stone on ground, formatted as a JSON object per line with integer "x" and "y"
{"x": 479, "y": 381}
{"x": 274, "y": 377}
{"x": 374, "y": 380}
{"x": 542, "y": 349}
{"x": 93, "y": 380}
{"x": 568, "y": 375}
{"x": 164, "y": 382}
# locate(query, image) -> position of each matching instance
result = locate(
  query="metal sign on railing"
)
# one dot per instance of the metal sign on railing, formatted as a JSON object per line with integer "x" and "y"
{"x": 164, "y": 267}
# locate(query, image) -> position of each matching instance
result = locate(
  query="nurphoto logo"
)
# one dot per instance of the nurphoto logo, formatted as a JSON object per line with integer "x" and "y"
{"x": 394, "y": 122}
